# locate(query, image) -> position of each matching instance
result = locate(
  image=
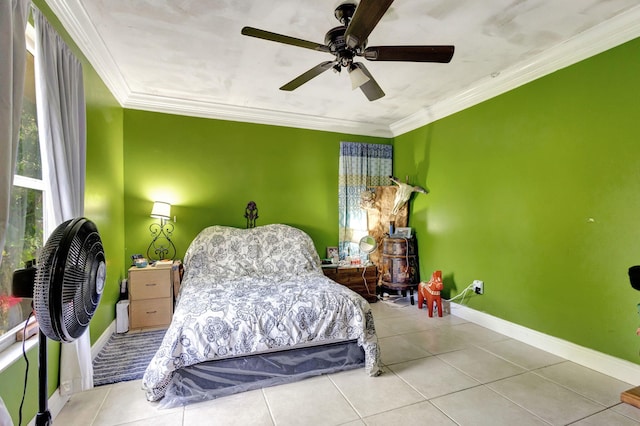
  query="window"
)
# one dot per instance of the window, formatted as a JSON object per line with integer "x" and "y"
{"x": 361, "y": 166}
{"x": 25, "y": 231}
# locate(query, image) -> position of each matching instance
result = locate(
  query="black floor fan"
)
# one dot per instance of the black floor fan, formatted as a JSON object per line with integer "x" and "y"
{"x": 66, "y": 285}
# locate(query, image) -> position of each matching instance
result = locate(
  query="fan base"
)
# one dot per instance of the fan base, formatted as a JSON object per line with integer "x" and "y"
{"x": 44, "y": 419}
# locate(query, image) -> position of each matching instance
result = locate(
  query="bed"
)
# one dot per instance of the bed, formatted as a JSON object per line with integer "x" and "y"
{"x": 255, "y": 310}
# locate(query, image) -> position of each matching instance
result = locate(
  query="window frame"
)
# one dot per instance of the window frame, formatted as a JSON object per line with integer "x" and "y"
{"x": 10, "y": 347}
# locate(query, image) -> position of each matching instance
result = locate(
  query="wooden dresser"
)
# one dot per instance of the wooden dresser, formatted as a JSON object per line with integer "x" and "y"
{"x": 150, "y": 297}
{"x": 361, "y": 279}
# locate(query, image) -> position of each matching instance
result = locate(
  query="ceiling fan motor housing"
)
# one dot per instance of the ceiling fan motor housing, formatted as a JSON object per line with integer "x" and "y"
{"x": 344, "y": 13}
{"x": 338, "y": 46}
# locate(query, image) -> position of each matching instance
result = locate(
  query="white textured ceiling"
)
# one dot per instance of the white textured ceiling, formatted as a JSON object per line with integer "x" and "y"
{"x": 188, "y": 56}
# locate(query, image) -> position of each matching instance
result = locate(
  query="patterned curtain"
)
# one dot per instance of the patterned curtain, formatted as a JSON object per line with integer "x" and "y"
{"x": 362, "y": 166}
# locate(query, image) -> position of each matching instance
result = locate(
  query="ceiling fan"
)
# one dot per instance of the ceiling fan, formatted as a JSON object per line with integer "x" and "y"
{"x": 349, "y": 41}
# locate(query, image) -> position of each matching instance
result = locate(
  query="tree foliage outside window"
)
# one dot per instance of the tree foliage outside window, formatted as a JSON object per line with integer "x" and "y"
{"x": 25, "y": 229}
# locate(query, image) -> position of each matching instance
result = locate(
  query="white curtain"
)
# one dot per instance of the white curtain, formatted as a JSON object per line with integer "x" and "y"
{"x": 61, "y": 124}
{"x": 13, "y": 22}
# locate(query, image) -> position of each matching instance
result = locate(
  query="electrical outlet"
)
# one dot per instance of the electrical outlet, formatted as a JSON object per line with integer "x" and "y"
{"x": 478, "y": 286}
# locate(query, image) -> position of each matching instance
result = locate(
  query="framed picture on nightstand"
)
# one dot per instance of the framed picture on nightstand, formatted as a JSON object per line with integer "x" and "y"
{"x": 332, "y": 252}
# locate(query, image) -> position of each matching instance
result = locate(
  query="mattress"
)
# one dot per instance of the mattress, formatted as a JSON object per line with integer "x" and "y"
{"x": 237, "y": 300}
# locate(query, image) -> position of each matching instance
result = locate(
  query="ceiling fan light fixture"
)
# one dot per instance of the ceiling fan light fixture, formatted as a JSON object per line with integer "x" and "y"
{"x": 357, "y": 76}
{"x": 350, "y": 40}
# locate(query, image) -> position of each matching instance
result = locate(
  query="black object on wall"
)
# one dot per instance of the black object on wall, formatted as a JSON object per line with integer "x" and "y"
{"x": 634, "y": 276}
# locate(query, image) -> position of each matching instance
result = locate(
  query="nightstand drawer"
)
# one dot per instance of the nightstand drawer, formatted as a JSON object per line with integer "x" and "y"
{"x": 150, "y": 284}
{"x": 150, "y": 313}
{"x": 361, "y": 279}
{"x": 357, "y": 277}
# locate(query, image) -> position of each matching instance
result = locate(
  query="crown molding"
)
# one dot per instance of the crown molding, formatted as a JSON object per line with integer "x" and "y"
{"x": 75, "y": 20}
{"x": 605, "y": 36}
{"x": 252, "y": 115}
{"x": 609, "y": 34}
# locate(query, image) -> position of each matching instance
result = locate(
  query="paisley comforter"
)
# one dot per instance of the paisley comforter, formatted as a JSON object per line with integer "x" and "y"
{"x": 256, "y": 290}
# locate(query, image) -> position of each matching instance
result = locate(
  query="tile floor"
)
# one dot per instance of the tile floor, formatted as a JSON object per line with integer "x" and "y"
{"x": 437, "y": 371}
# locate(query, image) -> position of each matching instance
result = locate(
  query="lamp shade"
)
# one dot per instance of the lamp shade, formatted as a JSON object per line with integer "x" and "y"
{"x": 358, "y": 77}
{"x": 161, "y": 210}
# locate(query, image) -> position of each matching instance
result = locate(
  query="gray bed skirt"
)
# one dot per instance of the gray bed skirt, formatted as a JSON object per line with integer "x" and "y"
{"x": 213, "y": 379}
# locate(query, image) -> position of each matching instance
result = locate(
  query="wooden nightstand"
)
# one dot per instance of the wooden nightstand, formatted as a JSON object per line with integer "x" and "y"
{"x": 150, "y": 297}
{"x": 361, "y": 279}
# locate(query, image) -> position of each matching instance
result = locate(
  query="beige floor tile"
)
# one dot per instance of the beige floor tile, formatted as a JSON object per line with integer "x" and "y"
{"x": 439, "y": 340}
{"x": 126, "y": 402}
{"x": 481, "y": 406}
{"x": 82, "y": 408}
{"x": 358, "y": 422}
{"x": 607, "y": 417}
{"x": 373, "y": 395}
{"x": 246, "y": 408}
{"x": 481, "y": 365}
{"x": 627, "y": 410}
{"x": 553, "y": 403}
{"x": 314, "y": 401}
{"x": 474, "y": 334}
{"x": 433, "y": 377}
{"x": 170, "y": 419}
{"x": 401, "y": 325}
{"x": 416, "y": 379}
{"x": 403, "y": 309}
{"x": 444, "y": 321}
{"x": 522, "y": 354}
{"x": 592, "y": 384}
{"x": 418, "y": 414}
{"x": 395, "y": 349}
{"x": 382, "y": 310}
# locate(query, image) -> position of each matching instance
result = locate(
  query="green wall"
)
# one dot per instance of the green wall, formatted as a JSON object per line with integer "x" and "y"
{"x": 104, "y": 205}
{"x": 514, "y": 182}
{"x": 536, "y": 192}
{"x": 104, "y": 199}
{"x": 210, "y": 169}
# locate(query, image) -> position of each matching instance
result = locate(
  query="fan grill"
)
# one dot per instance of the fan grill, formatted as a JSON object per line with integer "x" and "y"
{"x": 70, "y": 280}
{"x": 44, "y": 274}
{"x": 80, "y": 302}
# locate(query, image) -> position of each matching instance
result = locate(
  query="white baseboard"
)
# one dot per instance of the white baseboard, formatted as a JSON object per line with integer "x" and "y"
{"x": 55, "y": 404}
{"x": 103, "y": 339}
{"x": 598, "y": 361}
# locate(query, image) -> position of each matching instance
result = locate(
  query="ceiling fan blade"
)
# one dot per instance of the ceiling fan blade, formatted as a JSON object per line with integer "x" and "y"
{"x": 303, "y": 78}
{"x": 267, "y": 35}
{"x": 366, "y": 17}
{"x": 370, "y": 89}
{"x": 442, "y": 54}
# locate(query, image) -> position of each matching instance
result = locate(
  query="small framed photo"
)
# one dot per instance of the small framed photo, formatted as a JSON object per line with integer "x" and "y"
{"x": 332, "y": 252}
{"x": 403, "y": 232}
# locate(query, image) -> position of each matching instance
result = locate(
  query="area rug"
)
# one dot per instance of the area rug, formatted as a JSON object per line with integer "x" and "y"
{"x": 125, "y": 357}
